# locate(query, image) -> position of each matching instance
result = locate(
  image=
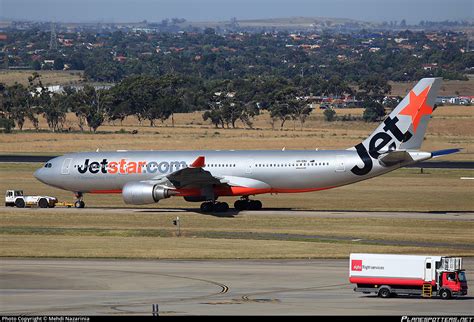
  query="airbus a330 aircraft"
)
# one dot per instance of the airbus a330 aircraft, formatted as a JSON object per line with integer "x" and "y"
{"x": 146, "y": 177}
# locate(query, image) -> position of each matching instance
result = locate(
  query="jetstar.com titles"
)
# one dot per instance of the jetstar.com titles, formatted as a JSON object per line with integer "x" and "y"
{"x": 129, "y": 167}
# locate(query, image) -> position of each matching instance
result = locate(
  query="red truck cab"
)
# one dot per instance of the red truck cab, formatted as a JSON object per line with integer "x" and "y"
{"x": 453, "y": 283}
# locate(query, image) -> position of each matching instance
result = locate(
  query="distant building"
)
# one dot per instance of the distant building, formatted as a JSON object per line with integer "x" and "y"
{"x": 431, "y": 66}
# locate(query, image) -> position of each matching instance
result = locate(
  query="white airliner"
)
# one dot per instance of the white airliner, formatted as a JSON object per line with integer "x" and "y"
{"x": 146, "y": 177}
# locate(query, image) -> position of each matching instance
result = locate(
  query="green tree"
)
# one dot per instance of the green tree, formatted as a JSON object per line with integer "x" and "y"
{"x": 373, "y": 87}
{"x": 280, "y": 111}
{"x": 329, "y": 114}
{"x": 15, "y": 99}
{"x": 300, "y": 111}
{"x": 55, "y": 112}
{"x": 374, "y": 111}
{"x": 6, "y": 124}
{"x": 91, "y": 107}
{"x": 214, "y": 114}
{"x": 58, "y": 64}
{"x": 36, "y": 65}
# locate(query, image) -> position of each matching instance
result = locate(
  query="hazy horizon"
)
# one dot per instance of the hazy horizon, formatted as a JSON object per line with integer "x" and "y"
{"x": 221, "y": 10}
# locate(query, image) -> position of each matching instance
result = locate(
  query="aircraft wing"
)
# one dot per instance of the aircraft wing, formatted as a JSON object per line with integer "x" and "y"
{"x": 193, "y": 176}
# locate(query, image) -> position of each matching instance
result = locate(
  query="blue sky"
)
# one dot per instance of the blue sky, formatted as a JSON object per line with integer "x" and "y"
{"x": 217, "y": 10}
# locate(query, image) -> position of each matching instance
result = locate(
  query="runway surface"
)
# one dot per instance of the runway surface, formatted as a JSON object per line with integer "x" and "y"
{"x": 226, "y": 287}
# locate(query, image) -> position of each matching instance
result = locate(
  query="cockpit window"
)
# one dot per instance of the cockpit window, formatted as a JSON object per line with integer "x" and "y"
{"x": 48, "y": 165}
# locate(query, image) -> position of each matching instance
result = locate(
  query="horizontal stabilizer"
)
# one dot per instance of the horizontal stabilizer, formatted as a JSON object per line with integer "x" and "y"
{"x": 394, "y": 157}
{"x": 440, "y": 153}
{"x": 403, "y": 157}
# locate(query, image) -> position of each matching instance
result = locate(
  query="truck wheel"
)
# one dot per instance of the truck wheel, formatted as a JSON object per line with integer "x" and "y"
{"x": 20, "y": 203}
{"x": 384, "y": 292}
{"x": 43, "y": 203}
{"x": 445, "y": 294}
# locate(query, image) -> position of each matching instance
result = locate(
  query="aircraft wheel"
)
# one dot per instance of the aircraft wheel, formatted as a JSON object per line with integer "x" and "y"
{"x": 221, "y": 207}
{"x": 207, "y": 207}
{"x": 79, "y": 204}
{"x": 240, "y": 205}
{"x": 255, "y": 204}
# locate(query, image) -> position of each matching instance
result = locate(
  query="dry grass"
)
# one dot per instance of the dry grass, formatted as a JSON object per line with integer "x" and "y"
{"x": 154, "y": 223}
{"x": 149, "y": 233}
{"x": 188, "y": 248}
{"x": 49, "y": 77}
{"x": 450, "y": 127}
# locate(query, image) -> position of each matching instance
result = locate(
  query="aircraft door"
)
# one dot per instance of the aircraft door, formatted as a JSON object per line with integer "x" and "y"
{"x": 340, "y": 165}
{"x": 249, "y": 166}
{"x": 66, "y": 166}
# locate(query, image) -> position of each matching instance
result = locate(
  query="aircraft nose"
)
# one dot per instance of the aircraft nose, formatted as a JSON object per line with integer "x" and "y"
{"x": 39, "y": 174}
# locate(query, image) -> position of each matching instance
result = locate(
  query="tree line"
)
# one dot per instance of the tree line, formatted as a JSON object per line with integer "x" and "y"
{"x": 224, "y": 103}
{"x": 110, "y": 56}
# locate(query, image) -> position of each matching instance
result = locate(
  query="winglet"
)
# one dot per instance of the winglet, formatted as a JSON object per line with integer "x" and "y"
{"x": 200, "y": 162}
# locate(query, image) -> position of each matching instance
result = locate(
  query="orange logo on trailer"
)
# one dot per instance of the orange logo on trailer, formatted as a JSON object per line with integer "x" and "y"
{"x": 417, "y": 107}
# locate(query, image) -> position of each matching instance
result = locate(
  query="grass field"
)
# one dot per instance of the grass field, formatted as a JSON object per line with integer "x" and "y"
{"x": 49, "y": 77}
{"x": 451, "y": 126}
{"x": 190, "y": 248}
{"x": 150, "y": 234}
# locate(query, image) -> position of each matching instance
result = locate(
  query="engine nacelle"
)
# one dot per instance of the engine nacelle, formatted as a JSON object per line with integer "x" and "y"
{"x": 140, "y": 193}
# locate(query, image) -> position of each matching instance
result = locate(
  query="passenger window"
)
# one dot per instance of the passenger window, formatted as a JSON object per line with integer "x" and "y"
{"x": 428, "y": 265}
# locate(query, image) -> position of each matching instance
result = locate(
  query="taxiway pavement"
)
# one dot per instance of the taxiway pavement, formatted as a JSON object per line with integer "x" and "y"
{"x": 224, "y": 287}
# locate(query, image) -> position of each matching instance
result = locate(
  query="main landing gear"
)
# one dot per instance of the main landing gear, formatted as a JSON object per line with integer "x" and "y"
{"x": 216, "y": 206}
{"x": 79, "y": 200}
{"x": 247, "y": 204}
{"x": 243, "y": 204}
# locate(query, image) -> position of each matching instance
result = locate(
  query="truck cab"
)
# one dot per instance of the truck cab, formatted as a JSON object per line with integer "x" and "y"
{"x": 11, "y": 196}
{"x": 452, "y": 283}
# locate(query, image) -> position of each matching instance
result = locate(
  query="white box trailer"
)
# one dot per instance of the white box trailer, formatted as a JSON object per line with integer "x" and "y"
{"x": 424, "y": 275}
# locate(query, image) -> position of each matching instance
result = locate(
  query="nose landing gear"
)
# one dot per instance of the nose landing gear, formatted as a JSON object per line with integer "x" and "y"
{"x": 79, "y": 200}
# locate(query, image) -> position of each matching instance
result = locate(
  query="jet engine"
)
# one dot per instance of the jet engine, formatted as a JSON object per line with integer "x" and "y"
{"x": 142, "y": 193}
